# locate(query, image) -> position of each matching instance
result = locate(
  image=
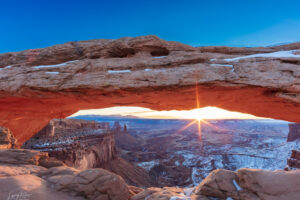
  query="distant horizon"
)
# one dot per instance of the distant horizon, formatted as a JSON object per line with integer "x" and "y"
{"x": 133, "y": 117}
{"x": 146, "y": 113}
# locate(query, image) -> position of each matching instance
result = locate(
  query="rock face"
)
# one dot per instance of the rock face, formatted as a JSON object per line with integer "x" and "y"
{"x": 7, "y": 140}
{"x": 55, "y": 82}
{"x": 251, "y": 184}
{"x": 21, "y": 177}
{"x": 83, "y": 145}
{"x": 294, "y": 160}
{"x": 92, "y": 184}
{"x": 30, "y": 187}
{"x": 78, "y": 143}
{"x": 35, "y": 182}
{"x": 294, "y": 132}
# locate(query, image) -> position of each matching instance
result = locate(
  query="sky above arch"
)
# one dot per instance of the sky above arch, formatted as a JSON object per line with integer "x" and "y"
{"x": 39, "y": 23}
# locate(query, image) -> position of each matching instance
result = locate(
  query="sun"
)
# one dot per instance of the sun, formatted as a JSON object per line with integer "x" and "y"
{"x": 199, "y": 118}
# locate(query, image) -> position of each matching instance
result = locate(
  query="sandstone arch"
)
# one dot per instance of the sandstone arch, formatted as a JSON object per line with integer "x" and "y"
{"x": 55, "y": 82}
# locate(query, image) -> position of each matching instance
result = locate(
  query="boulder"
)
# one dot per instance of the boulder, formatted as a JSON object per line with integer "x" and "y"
{"x": 92, "y": 184}
{"x": 251, "y": 184}
{"x": 270, "y": 185}
{"x": 219, "y": 183}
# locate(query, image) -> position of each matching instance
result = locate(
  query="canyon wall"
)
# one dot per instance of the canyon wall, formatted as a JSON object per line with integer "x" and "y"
{"x": 294, "y": 132}
{"x": 55, "y": 82}
{"x": 84, "y": 145}
{"x": 78, "y": 143}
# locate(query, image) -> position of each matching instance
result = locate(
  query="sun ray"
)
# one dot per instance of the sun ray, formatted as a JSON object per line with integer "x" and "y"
{"x": 186, "y": 126}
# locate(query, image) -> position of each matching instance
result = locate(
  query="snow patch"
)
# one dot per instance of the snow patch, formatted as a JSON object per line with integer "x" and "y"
{"x": 238, "y": 188}
{"x": 54, "y": 73}
{"x": 7, "y": 67}
{"x": 278, "y": 54}
{"x": 54, "y": 66}
{"x": 159, "y": 56}
{"x": 148, "y": 165}
{"x": 223, "y": 65}
{"x": 188, "y": 191}
{"x": 147, "y": 70}
{"x": 118, "y": 71}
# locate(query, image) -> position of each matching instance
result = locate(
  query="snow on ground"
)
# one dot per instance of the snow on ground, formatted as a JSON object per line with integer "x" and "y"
{"x": 147, "y": 70}
{"x": 118, "y": 71}
{"x": 148, "y": 165}
{"x": 278, "y": 54}
{"x": 54, "y": 66}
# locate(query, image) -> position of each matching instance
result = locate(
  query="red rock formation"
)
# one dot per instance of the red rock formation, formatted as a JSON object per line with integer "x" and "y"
{"x": 294, "y": 160}
{"x": 86, "y": 144}
{"x": 7, "y": 140}
{"x": 105, "y": 73}
{"x": 78, "y": 143}
{"x": 294, "y": 132}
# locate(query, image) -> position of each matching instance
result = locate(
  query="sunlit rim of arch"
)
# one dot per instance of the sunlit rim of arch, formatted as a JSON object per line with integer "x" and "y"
{"x": 198, "y": 114}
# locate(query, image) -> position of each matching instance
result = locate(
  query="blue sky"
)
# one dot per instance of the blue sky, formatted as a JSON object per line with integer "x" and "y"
{"x": 27, "y": 24}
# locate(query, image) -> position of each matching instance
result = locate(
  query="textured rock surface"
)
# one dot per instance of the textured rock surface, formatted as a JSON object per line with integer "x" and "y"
{"x": 294, "y": 160}
{"x": 17, "y": 178}
{"x": 78, "y": 143}
{"x": 14, "y": 170}
{"x": 21, "y": 156}
{"x": 219, "y": 183}
{"x": 168, "y": 193}
{"x": 7, "y": 140}
{"x": 27, "y": 157}
{"x": 84, "y": 144}
{"x": 92, "y": 184}
{"x": 251, "y": 184}
{"x": 39, "y": 85}
{"x": 294, "y": 132}
{"x": 30, "y": 187}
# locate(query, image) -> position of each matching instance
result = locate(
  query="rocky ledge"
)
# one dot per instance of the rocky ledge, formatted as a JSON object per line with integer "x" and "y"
{"x": 55, "y": 82}
{"x": 21, "y": 173}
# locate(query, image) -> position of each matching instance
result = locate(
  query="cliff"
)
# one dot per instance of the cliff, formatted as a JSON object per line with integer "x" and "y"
{"x": 86, "y": 144}
{"x": 78, "y": 143}
{"x": 294, "y": 132}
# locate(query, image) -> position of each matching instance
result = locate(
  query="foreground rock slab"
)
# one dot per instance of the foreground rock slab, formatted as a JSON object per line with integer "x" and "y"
{"x": 98, "y": 184}
{"x": 30, "y": 187}
{"x": 251, "y": 184}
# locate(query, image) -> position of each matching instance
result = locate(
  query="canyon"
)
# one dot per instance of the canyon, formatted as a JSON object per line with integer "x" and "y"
{"x": 84, "y": 145}
{"x": 175, "y": 155}
{"x": 54, "y": 82}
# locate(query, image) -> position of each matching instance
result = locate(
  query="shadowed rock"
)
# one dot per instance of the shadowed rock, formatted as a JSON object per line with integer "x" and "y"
{"x": 7, "y": 140}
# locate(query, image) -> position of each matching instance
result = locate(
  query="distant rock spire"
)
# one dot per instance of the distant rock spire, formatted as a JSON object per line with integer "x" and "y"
{"x": 117, "y": 127}
{"x": 125, "y": 128}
